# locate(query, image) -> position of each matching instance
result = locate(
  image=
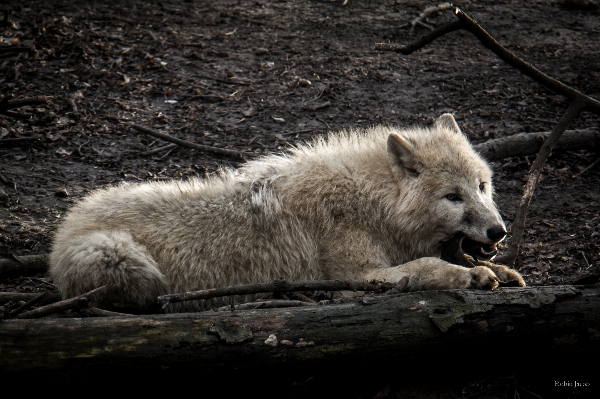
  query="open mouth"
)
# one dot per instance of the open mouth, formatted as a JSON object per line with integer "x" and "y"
{"x": 454, "y": 249}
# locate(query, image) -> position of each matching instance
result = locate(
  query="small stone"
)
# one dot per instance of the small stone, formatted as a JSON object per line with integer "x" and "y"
{"x": 261, "y": 51}
{"x": 61, "y": 193}
{"x": 286, "y": 342}
{"x": 272, "y": 340}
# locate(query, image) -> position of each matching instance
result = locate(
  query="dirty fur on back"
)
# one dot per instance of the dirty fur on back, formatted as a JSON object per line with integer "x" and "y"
{"x": 357, "y": 205}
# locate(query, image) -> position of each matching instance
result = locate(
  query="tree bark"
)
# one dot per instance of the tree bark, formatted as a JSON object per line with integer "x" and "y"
{"x": 504, "y": 322}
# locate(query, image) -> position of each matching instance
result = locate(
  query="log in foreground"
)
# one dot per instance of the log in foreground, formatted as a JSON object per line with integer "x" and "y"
{"x": 503, "y": 322}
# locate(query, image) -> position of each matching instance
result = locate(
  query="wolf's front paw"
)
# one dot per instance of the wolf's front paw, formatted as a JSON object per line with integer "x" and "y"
{"x": 483, "y": 278}
{"x": 507, "y": 276}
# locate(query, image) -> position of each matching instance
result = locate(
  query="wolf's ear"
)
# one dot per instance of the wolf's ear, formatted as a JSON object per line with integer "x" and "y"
{"x": 447, "y": 121}
{"x": 402, "y": 157}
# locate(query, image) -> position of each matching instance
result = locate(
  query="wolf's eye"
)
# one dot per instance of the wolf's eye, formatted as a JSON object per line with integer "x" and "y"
{"x": 482, "y": 186}
{"x": 453, "y": 197}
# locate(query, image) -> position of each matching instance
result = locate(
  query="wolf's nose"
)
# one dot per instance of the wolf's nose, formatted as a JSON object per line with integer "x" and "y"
{"x": 496, "y": 233}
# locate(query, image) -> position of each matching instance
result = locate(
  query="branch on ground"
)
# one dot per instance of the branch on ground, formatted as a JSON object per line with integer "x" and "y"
{"x": 518, "y": 225}
{"x": 420, "y": 20}
{"x": 283, "y": 286}
{"x": 71, "y": 303}
{"x": 6, "y": 104}
{"x": 183, "y": 143}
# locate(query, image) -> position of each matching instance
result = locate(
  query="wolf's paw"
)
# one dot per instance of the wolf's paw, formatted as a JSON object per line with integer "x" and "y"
{"x": 507, "y": 276}
{"x": 483, "y": 278}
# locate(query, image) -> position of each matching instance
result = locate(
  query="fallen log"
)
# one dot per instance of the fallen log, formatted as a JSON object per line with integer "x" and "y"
{"x": 428, "y": 323}
{"x": 522, "y": 144}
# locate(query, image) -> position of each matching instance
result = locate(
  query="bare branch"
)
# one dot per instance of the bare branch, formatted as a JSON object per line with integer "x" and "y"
{"x": 277, "y": 303}
{"x": 28, "y": 304}
{"x": 426, "y": 12}
{"x": 105, "y": 313}
{"x": 422, "y": 42}
{"x": 6, "y": 105}
{"x": 57, "y": 307}
{"x": 536, "y": 169}
{"x": 187, "y": 144}
{"x": 159, "y": 149}
{"x": 281, "y": 286}
{"x": 6, "y": 297}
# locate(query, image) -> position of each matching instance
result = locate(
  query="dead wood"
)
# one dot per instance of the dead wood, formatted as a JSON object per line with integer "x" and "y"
{"x": 276, "y": 303}
{"x": 282, "y": 286}
{"x": 24, "y": 265}
{"x": 159, "y": 149}
{"x": 522, "y": 144}
{"x": 6, "y": 104}
{"x": 183, "y": 143}
{"x": 71, "y": 303}
{"x": 104, "y": 313}
{"x": 420, "y": 20}
{"x": 508, "y": 321}
{"x": 6, "y": 297}
{"x": 33, "y": 301}
{"x": 518, "y": 225}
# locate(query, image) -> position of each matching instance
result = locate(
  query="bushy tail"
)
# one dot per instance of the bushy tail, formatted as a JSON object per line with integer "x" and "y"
{"x": 107, "y": 258}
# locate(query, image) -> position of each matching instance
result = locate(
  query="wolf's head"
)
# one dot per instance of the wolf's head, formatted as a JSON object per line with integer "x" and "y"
{"x": 447, "y": 187}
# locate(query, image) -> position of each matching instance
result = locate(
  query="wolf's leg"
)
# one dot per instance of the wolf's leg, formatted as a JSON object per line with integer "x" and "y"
{"x": 436, "y": 274}
{"x": 108, "y": 258}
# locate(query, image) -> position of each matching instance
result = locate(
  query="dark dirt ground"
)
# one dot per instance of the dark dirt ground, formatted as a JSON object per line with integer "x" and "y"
{"x": 232, "y": 74}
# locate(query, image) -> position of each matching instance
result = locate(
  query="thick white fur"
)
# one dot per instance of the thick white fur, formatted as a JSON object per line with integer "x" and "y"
{"x": 356, "y": 205}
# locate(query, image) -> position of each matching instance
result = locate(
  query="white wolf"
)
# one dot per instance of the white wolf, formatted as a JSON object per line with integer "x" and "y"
{"x": 358, "y": 205}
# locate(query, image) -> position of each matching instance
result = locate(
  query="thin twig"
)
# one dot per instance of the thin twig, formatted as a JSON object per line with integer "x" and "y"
{"x": 586, "y": 169}
{"x": 28, "y": 304}
{"x": 427, "y": 12}
{"x": 6, "y": 297}
{"x": 518, "y": 225}
{"x": 105, "y": 313}
{"x": 61, "y": 306}
{"x": 276, "y": 303}
{"x": 279, "y": 286}
{"x": 159, "y": 149}
{"x": 6, "y": 105}
{"x": 422, "y": 42}
{"x": 187, "y": 144}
